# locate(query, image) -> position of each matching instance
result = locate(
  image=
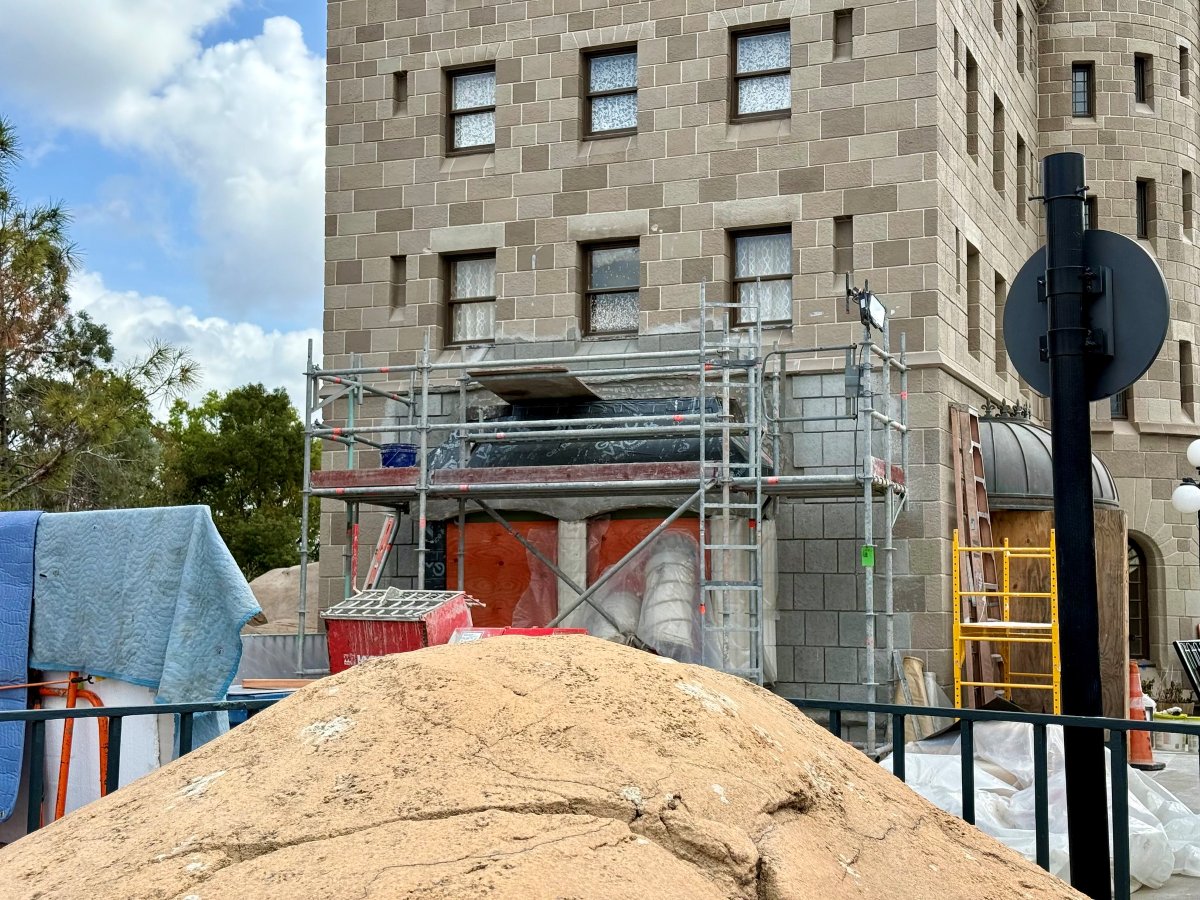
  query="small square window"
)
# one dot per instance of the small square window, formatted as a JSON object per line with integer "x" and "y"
{"x": 762, "y": 276}
{"x": 472, "y": 126}
{"x": 471, "y": 298}
{"x": 1083, "y": 93}
{"x": 612, "y": 92}
{"x": 613, "y": 277}
{"x": 762, "y": 80}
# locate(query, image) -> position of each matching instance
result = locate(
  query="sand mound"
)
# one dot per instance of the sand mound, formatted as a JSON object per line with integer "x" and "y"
{"x": 520, "y": 768}
{"x": 278, "y": 592}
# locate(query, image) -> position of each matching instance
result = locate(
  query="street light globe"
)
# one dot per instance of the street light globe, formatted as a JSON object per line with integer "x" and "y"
{"x": 1186, "y": 498}
{"x": 1193, "y": 454}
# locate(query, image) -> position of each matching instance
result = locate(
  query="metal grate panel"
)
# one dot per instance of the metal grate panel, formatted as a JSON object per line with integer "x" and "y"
{"x": 392, "y": 604}
{"x": 1189, "y": 655}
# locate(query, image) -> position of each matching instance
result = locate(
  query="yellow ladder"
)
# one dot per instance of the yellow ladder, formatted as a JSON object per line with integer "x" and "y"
{"x": 1003, "y": 633}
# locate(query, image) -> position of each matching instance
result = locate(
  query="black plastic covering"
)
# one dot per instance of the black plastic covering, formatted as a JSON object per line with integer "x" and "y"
{"x": 583, "y": 450}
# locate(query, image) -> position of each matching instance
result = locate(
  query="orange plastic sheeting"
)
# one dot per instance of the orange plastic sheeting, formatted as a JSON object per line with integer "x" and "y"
{"x": 517, "y": 588}
{"x": 609, "y": 539}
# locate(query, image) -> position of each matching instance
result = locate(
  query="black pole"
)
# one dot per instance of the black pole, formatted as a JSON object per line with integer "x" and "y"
{"x": 1074, "y": 521}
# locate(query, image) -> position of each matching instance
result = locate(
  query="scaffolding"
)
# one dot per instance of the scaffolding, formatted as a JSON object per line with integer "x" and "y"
{"x": 1003, "y": 631}
{"x": 729, "y": 490}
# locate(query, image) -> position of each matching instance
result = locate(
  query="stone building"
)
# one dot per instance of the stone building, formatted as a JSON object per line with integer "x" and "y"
{"x": 543, "y": 178}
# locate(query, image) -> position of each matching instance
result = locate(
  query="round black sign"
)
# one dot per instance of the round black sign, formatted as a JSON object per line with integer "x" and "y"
{"x": 1129, "y": 317}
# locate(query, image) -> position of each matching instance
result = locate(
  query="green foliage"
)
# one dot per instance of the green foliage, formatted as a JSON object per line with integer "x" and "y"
{"x": 241, "y": 454}
{"x": 75, "y": 430}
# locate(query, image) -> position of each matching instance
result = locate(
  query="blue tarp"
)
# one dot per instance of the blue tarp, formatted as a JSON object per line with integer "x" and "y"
{"x": 148, "y": 596}
{"x": 17, "y": 532}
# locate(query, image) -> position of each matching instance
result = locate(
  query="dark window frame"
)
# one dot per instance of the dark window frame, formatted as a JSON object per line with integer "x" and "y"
{"x": 999, "y": 127}
{"x": 1143, "y": 78}
{"x": 1185, "y": 72}
{"x": 1143, "y": 214}
{"x": 1020, "y": 40}
{"x": 1118, "y": 406}
{"x": 589, "y": 292}
{"x": 1187, "y": 376}
{"x": 449, "y": 261}
{"x": 972, "y": 107}
{"x": 1187, "y": 189}
{"x": 736, "y": 78}
{"x": 735, "y": 281}
{"x": 452, "y": 114}
{"x": 1022, "y": 179}
{"x": 1088, "y": 70}
{"x": 589, "y": 95}
{"x": 843, "y": 49}
{"x": 1137, "y": 562}
{"x": 1091, "y": 213}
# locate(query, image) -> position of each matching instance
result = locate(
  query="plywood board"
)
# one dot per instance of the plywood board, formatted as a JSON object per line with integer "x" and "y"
{"x": 1031, "y": 528}
{"x": 515, "y": 587}
{"x": 533, "y": 383}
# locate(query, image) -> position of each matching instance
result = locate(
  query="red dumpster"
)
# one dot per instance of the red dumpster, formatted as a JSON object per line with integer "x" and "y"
{"x": 382, "y": 622}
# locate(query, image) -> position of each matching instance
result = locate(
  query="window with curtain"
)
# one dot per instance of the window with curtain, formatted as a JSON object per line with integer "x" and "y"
{"x": 612, "y": 278}
{"x": 762, "y": 73}
{"x": 472, "y": 126}
{"x": 471, "y": 298}
{"x": 762, "y": 276}
{"x": 612, "y": 92}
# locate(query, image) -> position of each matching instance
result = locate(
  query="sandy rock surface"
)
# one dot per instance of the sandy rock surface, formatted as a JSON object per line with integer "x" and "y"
{"x": 520, "y": 768}
{"x": 276, "y": 592}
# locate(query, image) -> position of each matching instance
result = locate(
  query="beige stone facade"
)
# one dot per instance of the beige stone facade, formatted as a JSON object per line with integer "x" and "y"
{"x": 907, "y": 146}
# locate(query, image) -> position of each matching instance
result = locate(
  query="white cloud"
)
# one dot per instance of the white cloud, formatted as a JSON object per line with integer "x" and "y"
{"x": 230, "y": 353}
{"x": 242, "y": 121}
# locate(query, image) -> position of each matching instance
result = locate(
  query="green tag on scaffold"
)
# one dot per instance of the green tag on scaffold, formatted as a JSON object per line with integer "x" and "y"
{"x": 868, "y": 556}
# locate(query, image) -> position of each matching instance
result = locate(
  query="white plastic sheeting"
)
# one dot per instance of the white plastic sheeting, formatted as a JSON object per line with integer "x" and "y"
{"x": 1164, "y": 835}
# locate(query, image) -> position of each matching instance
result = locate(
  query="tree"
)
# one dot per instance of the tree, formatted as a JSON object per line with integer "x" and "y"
{"x": 68, "y": 414}
{"x": 241, "y": 454}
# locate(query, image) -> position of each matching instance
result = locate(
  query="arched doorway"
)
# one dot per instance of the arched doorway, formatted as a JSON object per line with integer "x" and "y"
{"x": 1139, "y": 602}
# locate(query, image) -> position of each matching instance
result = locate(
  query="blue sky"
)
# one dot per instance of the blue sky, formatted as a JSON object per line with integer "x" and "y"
{"x": 186, "y": 138}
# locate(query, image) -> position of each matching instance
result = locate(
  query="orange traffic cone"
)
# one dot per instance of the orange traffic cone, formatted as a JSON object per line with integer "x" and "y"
{"x": 1141, "y": 756}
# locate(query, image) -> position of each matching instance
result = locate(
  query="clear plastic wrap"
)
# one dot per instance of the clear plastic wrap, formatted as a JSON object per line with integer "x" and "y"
{"x": 1164, "y": 835}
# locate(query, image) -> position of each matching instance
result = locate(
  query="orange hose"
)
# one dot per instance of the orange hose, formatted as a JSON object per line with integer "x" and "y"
{"x": 101, "y": 727}
{"x": 64, "y": 760}
{"x": 17, "y": 687}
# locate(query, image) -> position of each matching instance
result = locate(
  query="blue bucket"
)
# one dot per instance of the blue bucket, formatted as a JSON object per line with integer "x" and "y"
{"x": 398, "y": 456}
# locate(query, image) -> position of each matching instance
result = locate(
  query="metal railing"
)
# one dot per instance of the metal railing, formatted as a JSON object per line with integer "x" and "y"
{"x": 1118, "y": 730}
{"x": 185, "y": 718}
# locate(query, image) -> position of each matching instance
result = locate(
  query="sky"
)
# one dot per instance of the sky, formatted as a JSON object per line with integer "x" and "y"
{"x": 186, "y": 137}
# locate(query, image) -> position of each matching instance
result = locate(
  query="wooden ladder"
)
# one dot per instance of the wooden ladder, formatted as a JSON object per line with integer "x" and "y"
{"x": 383, "y": 550}
{"x": 974, "y": 523}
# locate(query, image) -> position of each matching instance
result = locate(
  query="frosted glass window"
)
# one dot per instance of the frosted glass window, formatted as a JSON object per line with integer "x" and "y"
{"x": 762, "y": 65}
{"x": 613, "y": 278}
{"x": 472, "y": 299}
{"x": 473, "y": 110}
{"x": 762, "y": 276}
{"x": 612, "y": 91}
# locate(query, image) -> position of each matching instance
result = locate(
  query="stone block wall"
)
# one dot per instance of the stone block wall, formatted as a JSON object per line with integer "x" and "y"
{"x": 883, "y": 130}
{"x": 1157, "y": 141}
